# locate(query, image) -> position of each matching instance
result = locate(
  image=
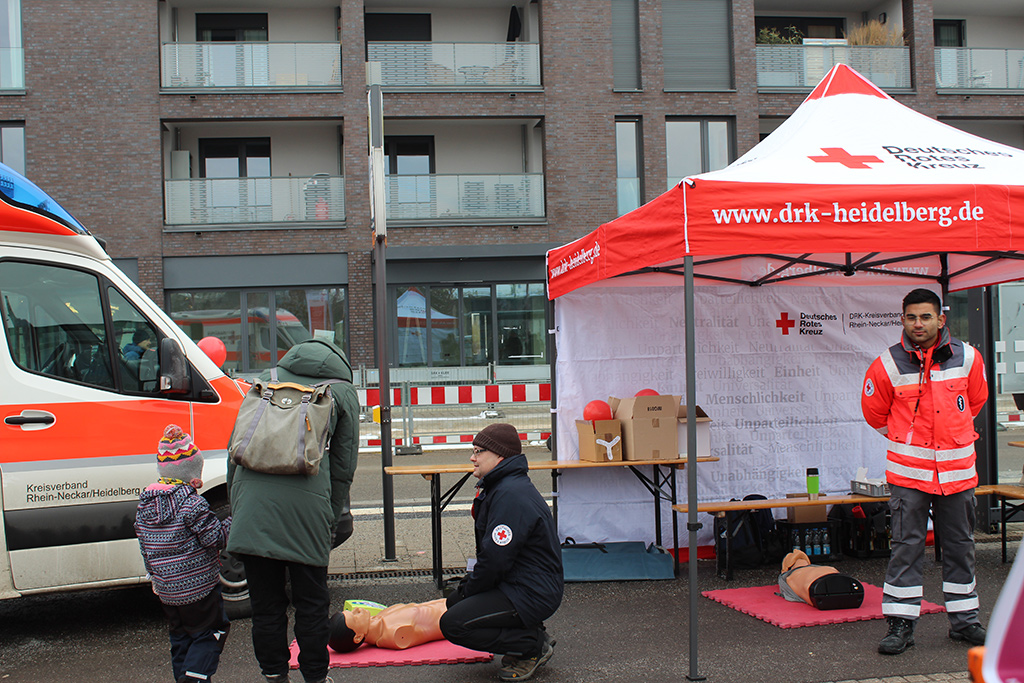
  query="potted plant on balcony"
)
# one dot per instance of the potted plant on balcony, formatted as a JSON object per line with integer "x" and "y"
{"x": 883, "y": 61}
{"x": 778, "y": 67}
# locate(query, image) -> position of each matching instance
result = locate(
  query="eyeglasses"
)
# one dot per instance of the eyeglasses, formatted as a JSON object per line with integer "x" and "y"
{"x": 478, "y": 451}
{"x": 925, "y": 318}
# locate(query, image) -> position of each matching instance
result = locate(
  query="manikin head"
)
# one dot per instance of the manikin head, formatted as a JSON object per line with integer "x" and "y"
{"x": 348, "y": 629}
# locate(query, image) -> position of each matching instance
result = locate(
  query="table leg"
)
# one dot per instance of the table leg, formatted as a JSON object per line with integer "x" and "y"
{"x": 675, "y": 520}
{"x": 435, "y": 528}
{"x": 1002, "y": 524}
{"x": 656, "y": 472}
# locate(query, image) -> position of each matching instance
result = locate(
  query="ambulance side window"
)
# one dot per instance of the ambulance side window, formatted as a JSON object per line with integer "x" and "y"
{"x": 53, "y": 319}
{"x": 138, "y": 346}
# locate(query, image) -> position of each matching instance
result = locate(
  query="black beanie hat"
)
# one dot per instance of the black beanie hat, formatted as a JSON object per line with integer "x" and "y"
{"x": 500, "y": 438}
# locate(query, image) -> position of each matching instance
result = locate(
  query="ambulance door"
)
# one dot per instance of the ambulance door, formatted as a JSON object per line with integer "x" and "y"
{"x": 82, "y": 415}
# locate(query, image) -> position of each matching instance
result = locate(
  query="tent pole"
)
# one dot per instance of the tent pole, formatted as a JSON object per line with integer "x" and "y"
{"x": 691, "y": 464}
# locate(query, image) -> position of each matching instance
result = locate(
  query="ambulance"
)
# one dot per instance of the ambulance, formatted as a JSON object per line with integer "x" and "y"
{"x": 91, "y": 372}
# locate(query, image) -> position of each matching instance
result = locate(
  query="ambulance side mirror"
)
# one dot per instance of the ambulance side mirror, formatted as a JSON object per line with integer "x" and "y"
{"x": 174, "y": 376}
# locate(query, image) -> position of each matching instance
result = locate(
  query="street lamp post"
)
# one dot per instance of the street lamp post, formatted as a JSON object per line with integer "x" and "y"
{"x": 378, "y": 221}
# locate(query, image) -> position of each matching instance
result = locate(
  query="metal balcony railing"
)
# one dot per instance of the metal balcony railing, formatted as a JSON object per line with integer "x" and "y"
{"x": 226, "y": 201}
{"x": 251, "y": 65}
{"x": 992, "y": 68}
{"x": 457, "y": 65}
{"x": 803, "y": 66}
{"x": 12, "y": 68}
{"x": 440, "y": 197}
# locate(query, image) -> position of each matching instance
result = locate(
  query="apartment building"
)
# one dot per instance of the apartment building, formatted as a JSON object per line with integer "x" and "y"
{"x": 220, "y": 148}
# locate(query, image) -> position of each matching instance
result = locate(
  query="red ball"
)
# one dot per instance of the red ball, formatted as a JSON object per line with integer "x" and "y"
{"x": 597, "y": 410}
{"x": 647, "y": 392}
{"x": 215, "y": 349}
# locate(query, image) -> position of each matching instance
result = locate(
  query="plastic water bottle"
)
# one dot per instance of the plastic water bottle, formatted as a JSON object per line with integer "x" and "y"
{"x": 826, "y": 544}
{"x": 816, "y": 542}
{"x": 796, "y": 540}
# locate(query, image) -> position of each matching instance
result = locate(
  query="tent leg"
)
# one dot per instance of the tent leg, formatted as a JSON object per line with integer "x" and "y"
{"x": 691, "y": 465}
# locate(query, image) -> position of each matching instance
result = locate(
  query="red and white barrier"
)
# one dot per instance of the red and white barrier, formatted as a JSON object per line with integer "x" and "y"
{"x": 462, "y": 395}
{"x": 456, "y": 439}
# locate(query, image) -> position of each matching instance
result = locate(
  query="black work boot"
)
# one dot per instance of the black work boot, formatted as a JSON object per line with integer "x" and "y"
{"x": 973, "y": 634}
{"x": 899, "y": 637}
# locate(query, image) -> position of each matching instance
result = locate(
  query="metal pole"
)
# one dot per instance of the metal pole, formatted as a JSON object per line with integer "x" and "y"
{"x": 375, "y": 113}
{"x": 691, "y": 463}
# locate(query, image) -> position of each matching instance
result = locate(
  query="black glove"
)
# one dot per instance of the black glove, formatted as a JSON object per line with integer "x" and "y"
{"x": 343, "y": 529}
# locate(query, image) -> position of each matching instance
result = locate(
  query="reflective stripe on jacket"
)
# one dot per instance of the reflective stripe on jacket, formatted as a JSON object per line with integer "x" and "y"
{"x": 925, "y": 405}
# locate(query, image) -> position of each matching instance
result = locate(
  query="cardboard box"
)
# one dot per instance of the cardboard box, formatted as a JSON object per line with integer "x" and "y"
{"x": 806, "y": 514}
{"x": 609, "y": 431}
{"x": 703, "y": 432}
{"x": 649, "y": 429}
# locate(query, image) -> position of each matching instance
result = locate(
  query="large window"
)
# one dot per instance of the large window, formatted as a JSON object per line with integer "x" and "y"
{"x": 238, "y": 173}
{"x": 12, "y": 146}
{"x": 254, "y": 337}
{"x": 234, "y": 27}
{"x": 626, "y": 45}
{"x": 12, "y": 55}
{"x": 696, "y": 146}
{"x": 627, "y": 164}
{"x": 465, "y": 326}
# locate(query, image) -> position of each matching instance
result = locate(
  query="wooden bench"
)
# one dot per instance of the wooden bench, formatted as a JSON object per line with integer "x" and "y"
{"x": 661, "y": 484}
{"x": 720, "y": 508}
{"x": 1003, "y": 492}
{"x": 1007, "y": 511}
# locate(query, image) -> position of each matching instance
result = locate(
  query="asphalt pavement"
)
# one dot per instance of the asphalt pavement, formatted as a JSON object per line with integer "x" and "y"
{"x": 612, "y": 631}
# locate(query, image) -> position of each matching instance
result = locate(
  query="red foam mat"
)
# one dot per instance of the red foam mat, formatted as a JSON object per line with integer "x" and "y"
{"x": 762, "y": 603}
{"x": 437, "y": 652}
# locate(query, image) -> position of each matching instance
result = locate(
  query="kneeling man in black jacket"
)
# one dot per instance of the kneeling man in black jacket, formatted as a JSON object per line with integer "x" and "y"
{"x": 516, "y": 583}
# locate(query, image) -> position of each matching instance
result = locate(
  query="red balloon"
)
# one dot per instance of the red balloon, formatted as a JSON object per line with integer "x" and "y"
{"x": 647, "y": 392}
{"x": 597, "y": 410}
{"x": 215, "y": 349}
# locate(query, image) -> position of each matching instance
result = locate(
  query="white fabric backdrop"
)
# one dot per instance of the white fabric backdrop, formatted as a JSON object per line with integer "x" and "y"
{"x": 780, "y": 403}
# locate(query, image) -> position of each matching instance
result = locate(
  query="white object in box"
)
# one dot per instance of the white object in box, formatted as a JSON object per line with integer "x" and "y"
{"x": 703, "y": 432}
{"x": 878, "y": 488}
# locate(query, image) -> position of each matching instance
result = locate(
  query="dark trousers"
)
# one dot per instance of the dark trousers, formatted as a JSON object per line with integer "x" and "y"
{"x": 197, "y": 631}
{"x": 267, "y": 580}
{"x": 488, "y": 622}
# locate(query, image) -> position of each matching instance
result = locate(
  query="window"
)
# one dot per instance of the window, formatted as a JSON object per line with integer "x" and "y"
{"x": 696, "y": 146}
{"x": 626, "y": 45}
{"x": 55, "y": 325}
{"x": 463, "y": 326}
{"x": 627, "y": 164}
{"x": 12, "y": 55}
{"x": 949, "y": 33}
{"x": 396, "y": 28}
{"x": 254, "y": 338}
{"x": 697, "y": 44}
{"x": 809, "y": 27}
{"x": 410, "y": 165}
{"x": 230, "y": 27}
{"x": 12, "y": 146}
{"x": 234, "y": 164}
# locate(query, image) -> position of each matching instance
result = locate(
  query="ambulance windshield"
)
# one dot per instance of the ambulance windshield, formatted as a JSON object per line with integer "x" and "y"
{"x": 22, "y": 192}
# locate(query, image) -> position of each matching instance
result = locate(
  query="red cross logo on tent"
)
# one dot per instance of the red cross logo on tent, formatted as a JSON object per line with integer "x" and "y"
{"x": 785, "y": 323}
{"x": 838, "y": 155}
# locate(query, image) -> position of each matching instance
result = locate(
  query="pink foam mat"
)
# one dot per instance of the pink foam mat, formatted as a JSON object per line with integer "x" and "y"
{"x": 437, "y": 652}
{"x": 762, "y": 603}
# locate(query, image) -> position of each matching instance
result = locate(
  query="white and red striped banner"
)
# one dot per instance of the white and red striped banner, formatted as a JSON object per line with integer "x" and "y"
{"x": 456, "y": 439}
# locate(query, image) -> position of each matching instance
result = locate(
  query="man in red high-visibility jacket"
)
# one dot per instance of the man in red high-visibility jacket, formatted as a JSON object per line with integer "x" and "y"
{"x": 923, "y": 395}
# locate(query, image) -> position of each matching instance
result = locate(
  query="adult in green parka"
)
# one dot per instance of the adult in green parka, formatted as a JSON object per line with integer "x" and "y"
{"x": 283, "y": 526}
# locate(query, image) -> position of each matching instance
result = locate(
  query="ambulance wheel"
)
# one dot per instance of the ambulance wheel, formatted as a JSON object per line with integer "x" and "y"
{"x": 233, "y": 585}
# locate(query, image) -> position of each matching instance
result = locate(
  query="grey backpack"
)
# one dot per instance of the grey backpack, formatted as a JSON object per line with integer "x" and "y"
{"x": 283, "y": 427}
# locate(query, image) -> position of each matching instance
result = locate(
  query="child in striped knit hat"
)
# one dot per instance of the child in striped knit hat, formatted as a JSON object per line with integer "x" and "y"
{"x": 181, "y": 540}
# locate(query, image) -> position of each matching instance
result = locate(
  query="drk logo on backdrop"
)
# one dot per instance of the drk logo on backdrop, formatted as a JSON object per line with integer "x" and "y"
{"x": 804, "y": 323}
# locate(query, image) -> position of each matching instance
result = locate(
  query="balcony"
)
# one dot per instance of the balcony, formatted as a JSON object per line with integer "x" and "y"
{"x": 457, "y": 66}
{"x": 435, "y": 197}
{"x": 801, "y": 67}
{"x": 979, "y": 68}
{"x": 253, "y": 201}
{"x": 251, "y": 65}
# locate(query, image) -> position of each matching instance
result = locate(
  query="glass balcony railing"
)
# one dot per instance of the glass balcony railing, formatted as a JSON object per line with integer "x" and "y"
{"x": 12, "y": 68}
{"x": 457, "y": 65}
{"x": 441, "y": 197}
{"x": 803, "y": 66}
{"x": 991, "y": 68}
{"x": 225, "y": 201}
{"x": 251, "y": 65}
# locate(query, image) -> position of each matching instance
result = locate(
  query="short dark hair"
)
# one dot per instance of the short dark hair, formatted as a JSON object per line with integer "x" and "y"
{"x": 923, "y": 296}
{"x": 141, "y": 335}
